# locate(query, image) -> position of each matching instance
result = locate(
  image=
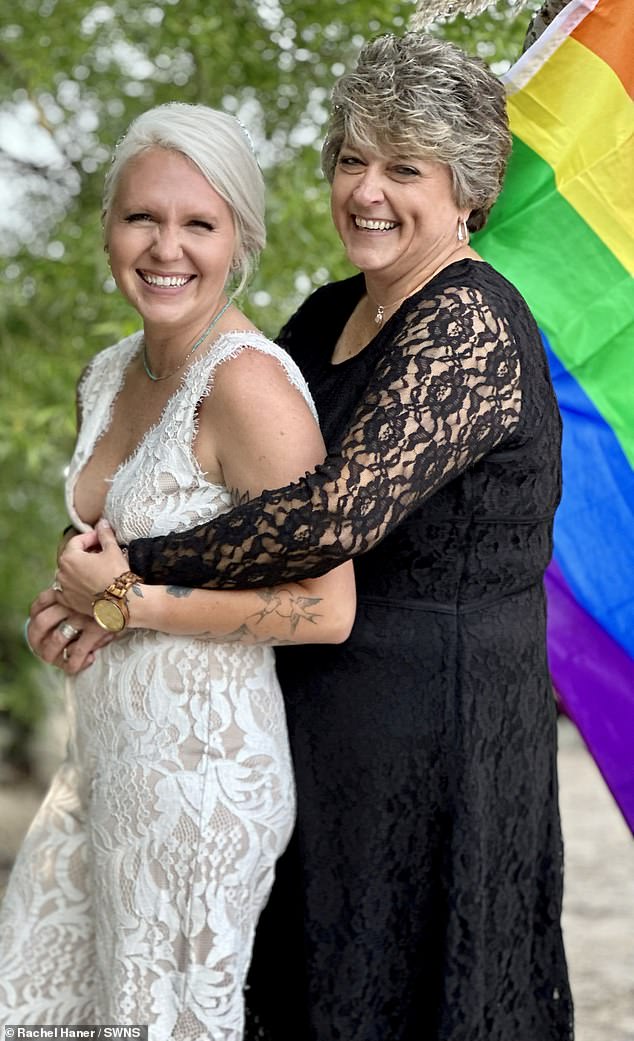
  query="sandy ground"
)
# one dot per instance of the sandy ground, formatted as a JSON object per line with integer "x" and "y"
{"x": 599, "y": 897}
{"x": 599, "y": 900}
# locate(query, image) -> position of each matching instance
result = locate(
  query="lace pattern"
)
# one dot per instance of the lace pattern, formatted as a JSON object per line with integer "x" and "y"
{"x": 420, "y": 896}
{"x": 136, "y": 894}
{"x": 156, "y": 469}
{"x": 447, "y": 392}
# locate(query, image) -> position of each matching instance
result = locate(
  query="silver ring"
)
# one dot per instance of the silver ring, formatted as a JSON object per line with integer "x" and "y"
{"x": 65, "y": 654}
{"x": 68, "y": 631}
{"x": 57, "y": 587}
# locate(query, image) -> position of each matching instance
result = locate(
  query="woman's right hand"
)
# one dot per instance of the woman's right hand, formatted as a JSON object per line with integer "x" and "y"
{"x": 49, "y": 642}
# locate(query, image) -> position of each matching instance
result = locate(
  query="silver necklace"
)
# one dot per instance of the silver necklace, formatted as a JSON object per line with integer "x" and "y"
{"x": 380, "y": 308}
{"x": 201, "y": 339}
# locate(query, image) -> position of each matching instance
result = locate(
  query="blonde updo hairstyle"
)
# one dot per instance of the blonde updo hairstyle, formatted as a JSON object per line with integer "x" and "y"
{"x": 420, "y": 97}
{"x": 219, "y": 147}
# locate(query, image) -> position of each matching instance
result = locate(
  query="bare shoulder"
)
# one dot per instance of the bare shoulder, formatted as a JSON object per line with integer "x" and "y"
{"x": 260, "y": 422}
{"x": 252, "y": 377}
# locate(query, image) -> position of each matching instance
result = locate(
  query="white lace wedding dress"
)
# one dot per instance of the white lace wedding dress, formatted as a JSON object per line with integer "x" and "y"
{"x": 136, "y": 893}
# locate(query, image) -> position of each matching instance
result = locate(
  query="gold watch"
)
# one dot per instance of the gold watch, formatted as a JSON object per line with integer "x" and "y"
{"x": 110, "y": 608}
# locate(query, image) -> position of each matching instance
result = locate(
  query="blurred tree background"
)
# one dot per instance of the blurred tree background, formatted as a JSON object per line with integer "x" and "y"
{"x": 73, "y": 73}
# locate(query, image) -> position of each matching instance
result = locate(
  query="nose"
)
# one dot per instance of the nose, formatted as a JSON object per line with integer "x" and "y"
{"x": 166, "y": 242}
{"x": 369, "y": 187}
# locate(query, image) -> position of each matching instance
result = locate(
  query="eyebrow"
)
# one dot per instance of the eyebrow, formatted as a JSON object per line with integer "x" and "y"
{"x": 144, "y": 205}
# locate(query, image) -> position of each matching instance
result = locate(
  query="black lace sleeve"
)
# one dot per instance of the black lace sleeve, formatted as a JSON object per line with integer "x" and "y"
{"x": 445, "y": 392}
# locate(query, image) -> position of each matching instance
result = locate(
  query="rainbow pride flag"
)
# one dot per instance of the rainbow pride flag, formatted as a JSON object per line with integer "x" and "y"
{"x": 563, "y": 232}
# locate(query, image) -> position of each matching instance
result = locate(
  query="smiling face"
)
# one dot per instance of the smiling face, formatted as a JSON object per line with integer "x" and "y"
{"x": 396, "y": 216}
{"x": 171, "y": 240}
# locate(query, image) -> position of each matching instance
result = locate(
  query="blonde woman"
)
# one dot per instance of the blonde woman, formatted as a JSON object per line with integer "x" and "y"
{"x": 135, "y": 897}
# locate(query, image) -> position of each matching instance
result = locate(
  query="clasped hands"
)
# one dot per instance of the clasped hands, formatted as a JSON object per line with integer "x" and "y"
{"x": 61, "y": 630}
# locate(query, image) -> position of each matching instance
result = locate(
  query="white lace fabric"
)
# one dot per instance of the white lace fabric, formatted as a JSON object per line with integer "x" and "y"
{"x": 135, "y": 896}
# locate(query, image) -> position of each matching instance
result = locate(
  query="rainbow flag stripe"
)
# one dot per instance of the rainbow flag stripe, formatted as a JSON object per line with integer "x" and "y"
{"x": 563, "y": 232}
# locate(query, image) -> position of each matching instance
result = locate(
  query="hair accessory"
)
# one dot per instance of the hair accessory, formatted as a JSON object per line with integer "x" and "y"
{"x": 428, "y": 11}
{"x": 201, "y": 339}
{"x": 246, "y": 134}
{"x": 463, "y": 231}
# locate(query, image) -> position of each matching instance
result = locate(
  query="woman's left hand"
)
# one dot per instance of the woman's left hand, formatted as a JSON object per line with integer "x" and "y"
{"x": 89, "y": 563}
{"x": 63, "y": 638}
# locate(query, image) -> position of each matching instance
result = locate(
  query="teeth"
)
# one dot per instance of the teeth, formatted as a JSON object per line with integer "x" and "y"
{"x": 165, "y": 280}
{"x": 375, "y": 225}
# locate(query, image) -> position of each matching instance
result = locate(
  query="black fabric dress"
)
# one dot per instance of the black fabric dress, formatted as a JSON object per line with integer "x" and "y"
{"x": 420, "y": 897}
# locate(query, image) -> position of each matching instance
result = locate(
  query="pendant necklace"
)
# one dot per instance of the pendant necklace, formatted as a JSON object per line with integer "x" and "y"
{"x": 201, "y": 339}
{"x": 380, "y": 308}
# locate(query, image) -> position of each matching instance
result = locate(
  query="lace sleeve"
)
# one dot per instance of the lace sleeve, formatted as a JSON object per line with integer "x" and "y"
{"x": 445, "y": 392}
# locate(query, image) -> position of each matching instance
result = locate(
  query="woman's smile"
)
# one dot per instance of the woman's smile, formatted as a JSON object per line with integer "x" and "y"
{"x": 373, "y": 224}
{"x": 164, "y": 281}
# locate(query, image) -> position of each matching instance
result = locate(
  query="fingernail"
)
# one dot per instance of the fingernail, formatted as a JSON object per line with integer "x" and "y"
{"x": 103, "y": 523}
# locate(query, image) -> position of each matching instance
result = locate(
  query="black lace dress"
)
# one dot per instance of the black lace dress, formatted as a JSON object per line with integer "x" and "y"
{"x": 420, "y": 897}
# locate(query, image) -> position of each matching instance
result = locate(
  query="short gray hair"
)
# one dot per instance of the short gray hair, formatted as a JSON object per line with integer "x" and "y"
{"x": 219, "y": 146}
{"x": 422, "y": 97}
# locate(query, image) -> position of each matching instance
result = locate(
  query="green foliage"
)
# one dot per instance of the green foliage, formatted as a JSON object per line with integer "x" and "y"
{"x": 73, "y": 73}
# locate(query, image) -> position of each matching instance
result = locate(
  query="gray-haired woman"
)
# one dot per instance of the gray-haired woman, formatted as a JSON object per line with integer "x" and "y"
{"x": 420, "y": 898}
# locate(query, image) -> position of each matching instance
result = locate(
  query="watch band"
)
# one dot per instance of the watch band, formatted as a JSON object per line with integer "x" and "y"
{"x": 115, "y": 617}
{"x": 120, "y": 586}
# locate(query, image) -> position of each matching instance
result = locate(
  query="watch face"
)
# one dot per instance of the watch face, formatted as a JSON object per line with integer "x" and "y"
{"x": 108, "y": 615}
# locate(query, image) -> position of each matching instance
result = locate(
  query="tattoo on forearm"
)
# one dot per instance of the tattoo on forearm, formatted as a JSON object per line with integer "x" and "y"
{"x": 179, "y": 591}
{"x": 284, "y": 604}
{"x": 136, "y": 589}
{"x": 245, "y": 635}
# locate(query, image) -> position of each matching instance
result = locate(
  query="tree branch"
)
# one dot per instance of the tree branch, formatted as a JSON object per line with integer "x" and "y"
{"x": 541, "y": 20}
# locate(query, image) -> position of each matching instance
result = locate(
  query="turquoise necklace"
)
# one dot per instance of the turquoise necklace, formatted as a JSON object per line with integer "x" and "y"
{"x": 201, "y": 339}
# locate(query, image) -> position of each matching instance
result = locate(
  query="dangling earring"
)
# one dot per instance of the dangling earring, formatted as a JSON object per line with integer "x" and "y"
{"x": 463, "y": 231}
